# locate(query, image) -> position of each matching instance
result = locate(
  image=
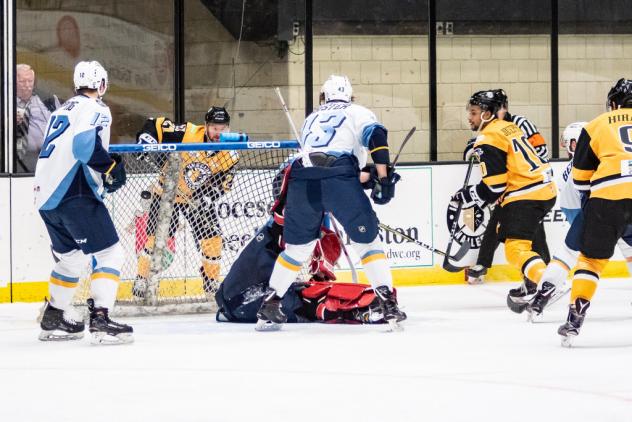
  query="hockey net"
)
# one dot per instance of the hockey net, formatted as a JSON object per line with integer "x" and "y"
{"x": 183, "y": 216}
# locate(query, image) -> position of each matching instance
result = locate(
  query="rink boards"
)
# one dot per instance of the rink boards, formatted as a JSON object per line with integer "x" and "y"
{"x": 419, "y": 210}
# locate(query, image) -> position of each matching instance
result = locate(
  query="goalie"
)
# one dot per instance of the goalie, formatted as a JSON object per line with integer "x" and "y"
{"x": 203, "y": 177}
{"x": 241, "y": 293}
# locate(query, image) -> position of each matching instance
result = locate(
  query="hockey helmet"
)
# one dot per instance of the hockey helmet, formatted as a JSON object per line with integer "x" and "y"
{"x": 217, "y": 115}
{"x": 489, "y": 100}
{"x": 621, "y": 94}
{"x": 337, "y": 88}
{"x": 570, "y": 134}
{"x": 501, "y": 96}
{"x": 91, "y": 75}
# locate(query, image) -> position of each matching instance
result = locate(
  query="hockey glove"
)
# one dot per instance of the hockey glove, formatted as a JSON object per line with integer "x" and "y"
{"x": 469, "y": 149}
{"x": 384, "y": 189}
{"x": 468, "y": 196}
{"x": 372, "y": 171}
{"x": 115, "y": 177}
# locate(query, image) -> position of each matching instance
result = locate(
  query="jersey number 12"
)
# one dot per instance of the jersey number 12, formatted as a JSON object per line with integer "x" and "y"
{"x": 57, "y": 126}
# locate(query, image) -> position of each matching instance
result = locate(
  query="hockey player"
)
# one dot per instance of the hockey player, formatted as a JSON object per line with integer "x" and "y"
{"x": 242, "y": 291}
{"x": 566, "y": 255}
{"x": 602, "y": 167}
{"x": 490, "y": 241}
{"x": 521, "y": 182}
{"x": 203, "y": 178}
{"x": 335, "y": 139}
{"x": 73, "y": 172}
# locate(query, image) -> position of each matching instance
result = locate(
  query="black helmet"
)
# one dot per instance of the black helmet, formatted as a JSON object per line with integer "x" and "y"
{"x": 501, "y": 95}
{"x": 621, "y": 93}
{"x": 487, "y": 100}
{"x": 217, "y": 115}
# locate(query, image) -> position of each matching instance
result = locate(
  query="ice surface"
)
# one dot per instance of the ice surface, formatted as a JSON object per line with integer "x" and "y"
{"x": 462, "y": 357}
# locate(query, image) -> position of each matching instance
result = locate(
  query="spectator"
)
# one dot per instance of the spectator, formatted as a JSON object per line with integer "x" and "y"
{"x": 32, "y": 113}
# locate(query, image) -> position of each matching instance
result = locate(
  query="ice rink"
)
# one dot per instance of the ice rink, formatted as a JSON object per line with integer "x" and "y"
{"x": 462, "y": 357}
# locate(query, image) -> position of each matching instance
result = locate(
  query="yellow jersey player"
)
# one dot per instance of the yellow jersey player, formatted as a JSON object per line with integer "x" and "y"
{"x": 203, "y": 178}
{"x": 519, "y": 180}
{"x": 602, "y": 168}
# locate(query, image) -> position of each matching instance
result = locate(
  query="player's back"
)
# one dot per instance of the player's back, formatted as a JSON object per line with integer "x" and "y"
{"x": 339, "y": 127}
{"x": 527, "y": 176}
{"x": 68, "y": 145}
{"x": 607, "y": 149}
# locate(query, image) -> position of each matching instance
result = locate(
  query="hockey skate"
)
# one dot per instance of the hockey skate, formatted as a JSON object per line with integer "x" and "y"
{"x": 270, "y": 317}
{"x": 106, "y": 331}
{"x": 574, "y": 321}
{"x": 476, "y": 274}
{"x": 58, "y": 325}
{"x": 392, "y": 314}
{"x": 540, "y": 300}
{"x": 518, "y": 299}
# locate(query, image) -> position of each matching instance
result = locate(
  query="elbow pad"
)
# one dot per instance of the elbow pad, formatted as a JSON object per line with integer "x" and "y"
{"x": 378, "y": 146}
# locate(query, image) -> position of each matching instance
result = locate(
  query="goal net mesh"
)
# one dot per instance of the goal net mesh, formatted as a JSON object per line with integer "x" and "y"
{"x": 182, "y": 219}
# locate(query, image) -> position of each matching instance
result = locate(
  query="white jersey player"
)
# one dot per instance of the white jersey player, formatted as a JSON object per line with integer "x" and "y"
{"x": 335, "y": 139}
{"x": 73, "y": 171}
{"x": 565, "y": 257}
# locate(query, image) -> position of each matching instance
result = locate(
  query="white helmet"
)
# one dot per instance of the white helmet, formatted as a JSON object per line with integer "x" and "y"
{"x": 337, "y": 87}
{"x": 571, "y": 133}
{"x": 91, "y": 75}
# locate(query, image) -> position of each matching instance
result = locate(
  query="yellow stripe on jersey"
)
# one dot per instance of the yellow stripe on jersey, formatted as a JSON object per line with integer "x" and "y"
{"x": 582, "y": 175}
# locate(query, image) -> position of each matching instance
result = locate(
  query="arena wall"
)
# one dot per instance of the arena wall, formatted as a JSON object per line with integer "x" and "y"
{"x": 419, "y": 210}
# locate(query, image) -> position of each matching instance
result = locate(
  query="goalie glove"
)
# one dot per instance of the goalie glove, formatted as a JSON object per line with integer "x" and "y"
{"x": 469, "y": 197}
{"x": 115, "y": 177}
{"x": 384, "y": 187}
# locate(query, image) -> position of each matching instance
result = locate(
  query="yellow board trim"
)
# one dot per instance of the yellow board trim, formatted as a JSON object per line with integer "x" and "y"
{"x": 35, "y": 291}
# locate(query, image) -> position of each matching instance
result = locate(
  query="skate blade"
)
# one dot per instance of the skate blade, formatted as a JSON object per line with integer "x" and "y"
{"x": 475, "y": 281}
{"x": 263, "y": 325}
{"x": 107, "y": 339}
{"x": 55, "y": 336}
{"x": 533, "y": 317}
{"x": 394, "y": 326}
{"x": 567, "y": 340}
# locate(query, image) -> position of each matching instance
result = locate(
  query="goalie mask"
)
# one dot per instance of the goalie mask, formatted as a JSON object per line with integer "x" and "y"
{"x": 91, "y": 75}
{"x": 336, "y": 88}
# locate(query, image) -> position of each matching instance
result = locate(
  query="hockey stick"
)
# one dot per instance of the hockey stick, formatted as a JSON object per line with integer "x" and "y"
{"x": 408, "y": 136}
{"x": 354, "y": 274}
{"x": 463, "y": 250}
{"x": 446, "y": 261}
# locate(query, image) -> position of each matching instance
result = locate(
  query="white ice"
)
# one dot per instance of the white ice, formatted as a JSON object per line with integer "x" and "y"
{"x": 462, "y": 357}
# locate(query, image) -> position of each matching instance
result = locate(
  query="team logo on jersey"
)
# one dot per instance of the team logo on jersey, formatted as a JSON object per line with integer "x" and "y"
{"x": 362, "y": 229}
{"x": 259, "y": 237}
{"x": 196, "y": 174}
{"x": 471, "y": 224}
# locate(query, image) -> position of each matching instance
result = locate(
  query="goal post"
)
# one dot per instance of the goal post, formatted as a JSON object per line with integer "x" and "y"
{"x": 183, "y": 216}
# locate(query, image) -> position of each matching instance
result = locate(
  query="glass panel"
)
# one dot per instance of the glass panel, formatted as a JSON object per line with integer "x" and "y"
{"x": 132, "y": 41}
{"x": 503, "y": 44}
{"x": 595, "y": 50}
{"x": 241, "y": 75}
{"x": 382, "y": 48}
